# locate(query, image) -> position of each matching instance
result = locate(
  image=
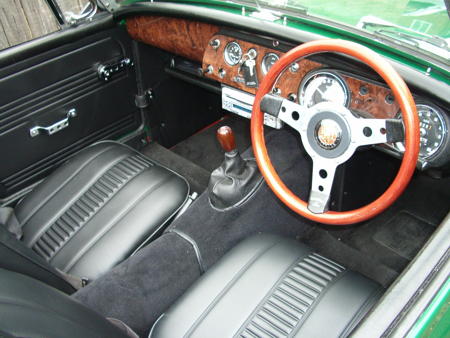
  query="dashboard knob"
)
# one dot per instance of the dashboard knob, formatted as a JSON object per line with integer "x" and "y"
{"x": 209, "y": 69}
{"x": 294, "y": 67}
{"x": 292, "y": 97}
{"x": 214, "y": 43}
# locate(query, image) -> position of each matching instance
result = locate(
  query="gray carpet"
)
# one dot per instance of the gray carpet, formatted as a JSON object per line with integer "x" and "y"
{"x": 197, "y": 156}
{"x": 203, "y": 149}
{"x": 395, "y": 236}
{"x": 197, "y": 177}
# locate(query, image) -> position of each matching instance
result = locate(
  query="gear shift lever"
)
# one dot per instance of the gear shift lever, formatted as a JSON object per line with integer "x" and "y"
{"x": 226, "y": 139}
{"x": 236, "y": 179}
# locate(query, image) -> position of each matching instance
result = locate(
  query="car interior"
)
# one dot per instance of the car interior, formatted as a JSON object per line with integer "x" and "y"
{"x": 170, "y": 173}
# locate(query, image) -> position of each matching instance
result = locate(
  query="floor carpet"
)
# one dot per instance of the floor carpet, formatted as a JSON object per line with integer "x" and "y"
{"x": 196, "y": 176}
{"x": 204, "y": 150}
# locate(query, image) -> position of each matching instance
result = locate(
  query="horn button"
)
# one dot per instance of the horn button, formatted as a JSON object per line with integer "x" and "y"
{"x": 328, "y": 134}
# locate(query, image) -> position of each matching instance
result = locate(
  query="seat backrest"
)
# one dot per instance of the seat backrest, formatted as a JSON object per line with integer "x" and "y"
{"x": 15, "y": 256}
{"x": 29, "y": 308}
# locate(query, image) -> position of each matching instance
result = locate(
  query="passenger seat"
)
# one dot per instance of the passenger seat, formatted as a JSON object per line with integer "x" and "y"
{"x": 267, "y": 286}
{"x": 92, "y": 212}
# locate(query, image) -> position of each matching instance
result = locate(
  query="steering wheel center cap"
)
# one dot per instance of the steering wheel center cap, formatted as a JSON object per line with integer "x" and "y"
{"x": 328, "y": 134}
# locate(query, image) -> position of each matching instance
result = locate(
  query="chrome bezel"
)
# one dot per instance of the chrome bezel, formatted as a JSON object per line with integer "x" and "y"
{"x": 263, "y": 63}
{"x": 313, "y": 74}
{"x": 226, "y": 53}
{"x": 399, "y": 146}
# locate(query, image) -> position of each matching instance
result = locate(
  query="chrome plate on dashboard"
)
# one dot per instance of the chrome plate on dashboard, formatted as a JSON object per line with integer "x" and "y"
{"x": 241, "y": 103}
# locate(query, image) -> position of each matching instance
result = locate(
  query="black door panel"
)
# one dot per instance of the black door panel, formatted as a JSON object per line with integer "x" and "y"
{"x": 41, "y": 90}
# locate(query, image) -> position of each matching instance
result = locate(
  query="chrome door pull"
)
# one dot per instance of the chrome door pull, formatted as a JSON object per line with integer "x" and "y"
{"x": 105, "y": 72}
{"x": 55, "y": 127}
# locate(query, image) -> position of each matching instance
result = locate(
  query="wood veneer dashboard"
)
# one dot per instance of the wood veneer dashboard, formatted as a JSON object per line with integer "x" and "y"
{"x": 195, "y": 41}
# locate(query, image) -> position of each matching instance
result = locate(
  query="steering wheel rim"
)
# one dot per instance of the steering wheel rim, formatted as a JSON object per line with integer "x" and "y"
{"x": 410, "y": 120}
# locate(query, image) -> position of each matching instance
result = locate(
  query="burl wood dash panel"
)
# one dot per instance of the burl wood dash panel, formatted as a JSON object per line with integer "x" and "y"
{"x": 372, "y": 103}
{"x": 215, "y": 57}
{"x": 178, "y": 36}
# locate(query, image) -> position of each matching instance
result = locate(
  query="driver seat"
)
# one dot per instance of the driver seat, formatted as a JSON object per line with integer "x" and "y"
{"x": 270, "y": 286}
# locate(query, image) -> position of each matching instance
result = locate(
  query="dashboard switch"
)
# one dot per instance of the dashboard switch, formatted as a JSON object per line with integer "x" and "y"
{"x": 209, "y": 69}
{"x": 222, "y": 73}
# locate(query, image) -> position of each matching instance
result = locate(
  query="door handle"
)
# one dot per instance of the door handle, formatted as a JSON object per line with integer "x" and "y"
{"x": 55, "y": 127}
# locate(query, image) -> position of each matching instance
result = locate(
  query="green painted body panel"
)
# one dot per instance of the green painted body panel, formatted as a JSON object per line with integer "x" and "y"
{"x": 435, "y": 320}
{"x": 426, "y": 16}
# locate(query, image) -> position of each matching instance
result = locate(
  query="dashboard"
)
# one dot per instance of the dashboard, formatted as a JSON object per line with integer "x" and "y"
{"x": 238, "y": 62}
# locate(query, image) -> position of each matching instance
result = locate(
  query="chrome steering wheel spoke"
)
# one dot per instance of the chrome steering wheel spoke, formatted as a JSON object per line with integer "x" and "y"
{"x": 287, "y": 111}
{"x": 322, "y": 181}
{"x": 376, "y": 131}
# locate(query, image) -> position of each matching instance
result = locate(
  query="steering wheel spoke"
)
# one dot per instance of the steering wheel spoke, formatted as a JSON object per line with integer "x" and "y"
{"x": 376, "y": 131}
{"x": 322, "y": 182}
{"x": 287, "y": 111}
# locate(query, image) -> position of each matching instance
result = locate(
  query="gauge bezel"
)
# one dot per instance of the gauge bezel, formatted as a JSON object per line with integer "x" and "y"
{"x": 263, "y": 65}
{"x": 226, "y": 53}
{"x": 443, "y": 119}
{"x": 328, "y": 72}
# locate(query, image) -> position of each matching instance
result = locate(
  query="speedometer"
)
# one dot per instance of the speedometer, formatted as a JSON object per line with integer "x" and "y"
{"x": 232, "y": 53}
{"x": 323, "y": 86}
{"x": 432, "y": 130}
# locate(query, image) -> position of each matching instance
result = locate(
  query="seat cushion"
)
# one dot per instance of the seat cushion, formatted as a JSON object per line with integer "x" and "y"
{"x": 29, "y": 308}
{"x": 98, "y": 208}
{"x": 271, "y": 287}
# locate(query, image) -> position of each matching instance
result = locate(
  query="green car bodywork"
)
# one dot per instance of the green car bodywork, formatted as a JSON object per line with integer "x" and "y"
{"x": 435, "y": 320}
{"x": 426, "y": 16}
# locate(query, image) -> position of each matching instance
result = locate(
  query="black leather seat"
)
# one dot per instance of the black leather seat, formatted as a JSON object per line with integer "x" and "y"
{"x": 271, "y": 287}
{"x": 29, "y": 308}
{"x": 265, "y": 287}
{"x": 97, "y": 209}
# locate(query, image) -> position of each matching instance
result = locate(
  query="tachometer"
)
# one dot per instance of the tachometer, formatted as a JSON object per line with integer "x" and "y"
{"x": 232, "y": 53}
{"x": 268, "y": 61}
{"x": 320, "y": 86}
{"x": 432, "y": 130}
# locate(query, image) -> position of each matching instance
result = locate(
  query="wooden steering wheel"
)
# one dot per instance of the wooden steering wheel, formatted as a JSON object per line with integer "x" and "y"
{"x": 330, "y": 134}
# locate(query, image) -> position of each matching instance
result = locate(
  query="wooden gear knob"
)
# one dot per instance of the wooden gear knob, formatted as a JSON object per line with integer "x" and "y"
{"x": 226, "y": 139}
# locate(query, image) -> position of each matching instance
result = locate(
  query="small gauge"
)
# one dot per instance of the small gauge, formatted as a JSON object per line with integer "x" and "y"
{"x": 268, "y": 61}
{"x": 432, "y": 130}
{"x": 323, "y": 86}
{"x": 232, "y": 53}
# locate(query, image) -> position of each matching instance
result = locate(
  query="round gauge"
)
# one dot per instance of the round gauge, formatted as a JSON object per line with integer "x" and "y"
{"x": 268, "y": 61}
{"x": 323, "y": 86}
{"x": 232, "y": 53}
{"x": 432, "y": 130}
